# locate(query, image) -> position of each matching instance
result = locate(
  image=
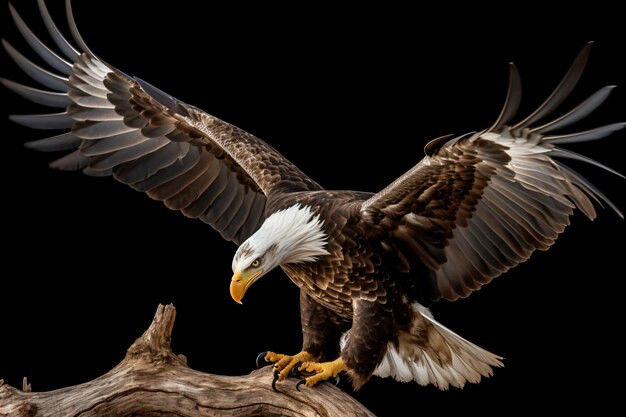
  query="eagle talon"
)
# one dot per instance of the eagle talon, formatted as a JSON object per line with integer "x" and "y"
{"x": 294, "y": 371}
{"x": 301, "y": 382}
{"x": 274, "y": 379}
{"x": 261, "y": 355}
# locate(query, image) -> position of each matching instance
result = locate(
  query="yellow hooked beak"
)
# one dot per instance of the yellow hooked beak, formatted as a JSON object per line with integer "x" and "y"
{"x": 240, "y": 284}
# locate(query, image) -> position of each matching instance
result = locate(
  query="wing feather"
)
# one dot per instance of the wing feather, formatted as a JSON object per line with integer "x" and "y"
{"x": 43, "y": 121}
{"x": 148, "y": 165}
{"x": 578, "y": 113}
{"x": 68, "y": 50}
{"x": 238, "y": 220}
{"x": 176, "y": 185}
{"x": 43, "y": 97}
{"x": 63, "y": 142}
{"x": 34, "y": 71}
{"x": 561, "y": 92}
{"x": 45, "y": 53}
{"x": 214, "y": 186}
{"x": 223, "y": 199}
{"x": 166, "y": 174}
{"x": 198, "y": 186}
{"x": 130, "y": 154}
{"x": 112, "y": 143}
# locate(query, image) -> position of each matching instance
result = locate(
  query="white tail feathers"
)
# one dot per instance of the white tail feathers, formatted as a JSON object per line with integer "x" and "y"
{"x": 444, "y": 359}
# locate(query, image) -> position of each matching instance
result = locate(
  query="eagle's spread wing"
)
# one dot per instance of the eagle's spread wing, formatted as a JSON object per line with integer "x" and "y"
{"x": 124, "y": 127}
{"x": 480, "y": 204}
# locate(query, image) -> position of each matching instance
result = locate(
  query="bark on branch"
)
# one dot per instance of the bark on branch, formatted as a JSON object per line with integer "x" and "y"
{"x": 153, "y": 381}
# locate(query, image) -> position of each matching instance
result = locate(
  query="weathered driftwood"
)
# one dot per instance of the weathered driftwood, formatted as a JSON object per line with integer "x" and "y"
{"x": 153, "y": 381}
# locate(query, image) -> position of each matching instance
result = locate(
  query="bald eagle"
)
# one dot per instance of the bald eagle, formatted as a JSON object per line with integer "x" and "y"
{"x": 367, "y": 265}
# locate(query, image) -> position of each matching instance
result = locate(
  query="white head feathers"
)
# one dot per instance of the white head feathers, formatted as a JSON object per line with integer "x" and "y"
{"x": 291, "y": 235}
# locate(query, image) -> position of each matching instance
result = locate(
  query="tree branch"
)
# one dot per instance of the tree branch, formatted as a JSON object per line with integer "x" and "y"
{"x": 153, "y": 381}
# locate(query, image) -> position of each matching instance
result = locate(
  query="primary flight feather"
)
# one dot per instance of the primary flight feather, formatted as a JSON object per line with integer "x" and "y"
{"x": 367, "y": 264}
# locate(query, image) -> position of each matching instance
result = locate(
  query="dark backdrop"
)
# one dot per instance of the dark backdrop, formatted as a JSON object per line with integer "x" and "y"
{"x": 350, "y": 96}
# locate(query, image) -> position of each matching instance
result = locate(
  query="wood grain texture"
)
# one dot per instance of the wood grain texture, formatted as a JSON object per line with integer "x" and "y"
{"x": 152, "y": 380}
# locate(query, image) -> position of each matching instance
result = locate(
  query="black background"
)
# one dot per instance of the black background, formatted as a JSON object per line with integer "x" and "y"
{"x": 351, "y": 97}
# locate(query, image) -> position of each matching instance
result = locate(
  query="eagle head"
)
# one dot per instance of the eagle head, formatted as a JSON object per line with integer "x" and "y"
{"x": 289, "y": 236}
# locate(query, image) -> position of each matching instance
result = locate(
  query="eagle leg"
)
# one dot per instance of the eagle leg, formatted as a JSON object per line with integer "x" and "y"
{"x": 321, "y": 371}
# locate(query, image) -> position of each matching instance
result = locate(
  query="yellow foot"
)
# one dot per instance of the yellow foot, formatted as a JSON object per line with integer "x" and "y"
{"x": 321, "y": 371}
{"x": 283, "y": 364}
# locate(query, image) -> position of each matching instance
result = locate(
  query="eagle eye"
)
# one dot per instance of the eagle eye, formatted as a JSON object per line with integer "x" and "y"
{"x": 256, "y": 263}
